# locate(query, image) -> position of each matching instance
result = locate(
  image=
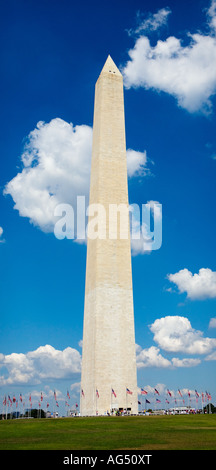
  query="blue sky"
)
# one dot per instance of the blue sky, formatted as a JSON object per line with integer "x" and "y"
{"x": 51, "y": 56}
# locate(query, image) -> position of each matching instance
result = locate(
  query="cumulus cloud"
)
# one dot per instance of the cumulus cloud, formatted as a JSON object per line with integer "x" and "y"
{"x": 186, "y": 72}
{"x": 56, "y": 165}
{"x": 151, "y": 357}
{"x": 136, "y": 163}
{"x": 175, "y": 334}
{"x": 56, "y": 168}
{"x": 45, "y": 363}
{"x": 198, "y": 286}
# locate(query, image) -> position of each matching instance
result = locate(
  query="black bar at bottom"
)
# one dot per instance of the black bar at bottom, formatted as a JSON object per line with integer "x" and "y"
{"x": 109, "y": 459}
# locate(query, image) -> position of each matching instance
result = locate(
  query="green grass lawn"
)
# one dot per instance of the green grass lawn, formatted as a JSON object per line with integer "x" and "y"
{"x": 110, "y": 433}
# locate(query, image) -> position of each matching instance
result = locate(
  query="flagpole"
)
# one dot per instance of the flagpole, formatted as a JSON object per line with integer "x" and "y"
{"x": 126, "y": 401}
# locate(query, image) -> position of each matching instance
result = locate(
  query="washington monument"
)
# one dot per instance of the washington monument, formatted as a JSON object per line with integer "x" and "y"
{"x": 109, "y": 377}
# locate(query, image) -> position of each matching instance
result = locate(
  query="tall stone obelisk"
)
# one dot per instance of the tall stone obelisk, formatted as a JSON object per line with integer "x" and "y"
{"x": 108, "y": 357}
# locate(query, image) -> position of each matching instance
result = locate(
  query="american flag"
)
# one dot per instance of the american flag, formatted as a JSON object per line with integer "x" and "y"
{"x": 180, "y": 393}
{"x": 97, "y": 393}
{"x": 30, "y": 398}
{"x": 143, "y": 392}
{"x": 113, "y": 392}
{"x": 169, "y": 393}
{"x": 157, "y": 400}
{"x": 68, "y": 395}
{"x": 129, "y": 391}
{"x": 55, "y": 395}
{"x": 41, "y": 396}
{"x": 197, "y": 394}
{"x": 147, "y": 401}
{"x": 156, "y": 391}
{"x": 83, "y": 393}
{"x": 21, "y": 397}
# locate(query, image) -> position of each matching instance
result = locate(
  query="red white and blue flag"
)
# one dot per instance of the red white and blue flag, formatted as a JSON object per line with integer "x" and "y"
{"x": 143, "y": 392}
{"x": 129, "y": 391}
{"x": 208, "y": 396}
{"x": 113, "y": 393}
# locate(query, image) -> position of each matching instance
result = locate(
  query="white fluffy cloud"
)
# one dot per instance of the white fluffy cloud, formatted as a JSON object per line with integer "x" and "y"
{"x": 56, "y": 162}
{"x": 175, "y": 334}
{"x": 151, "y": 357}
{"x": 56, "y": 169}
{"x": 186, "y": 72}
{"x": 45, "y": 363}
{"x": 198, "y": 286}
{"x": 136, "y": 163}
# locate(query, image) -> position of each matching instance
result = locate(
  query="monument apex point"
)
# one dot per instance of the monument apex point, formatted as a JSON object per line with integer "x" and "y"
{"x": 110, "y": 67}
